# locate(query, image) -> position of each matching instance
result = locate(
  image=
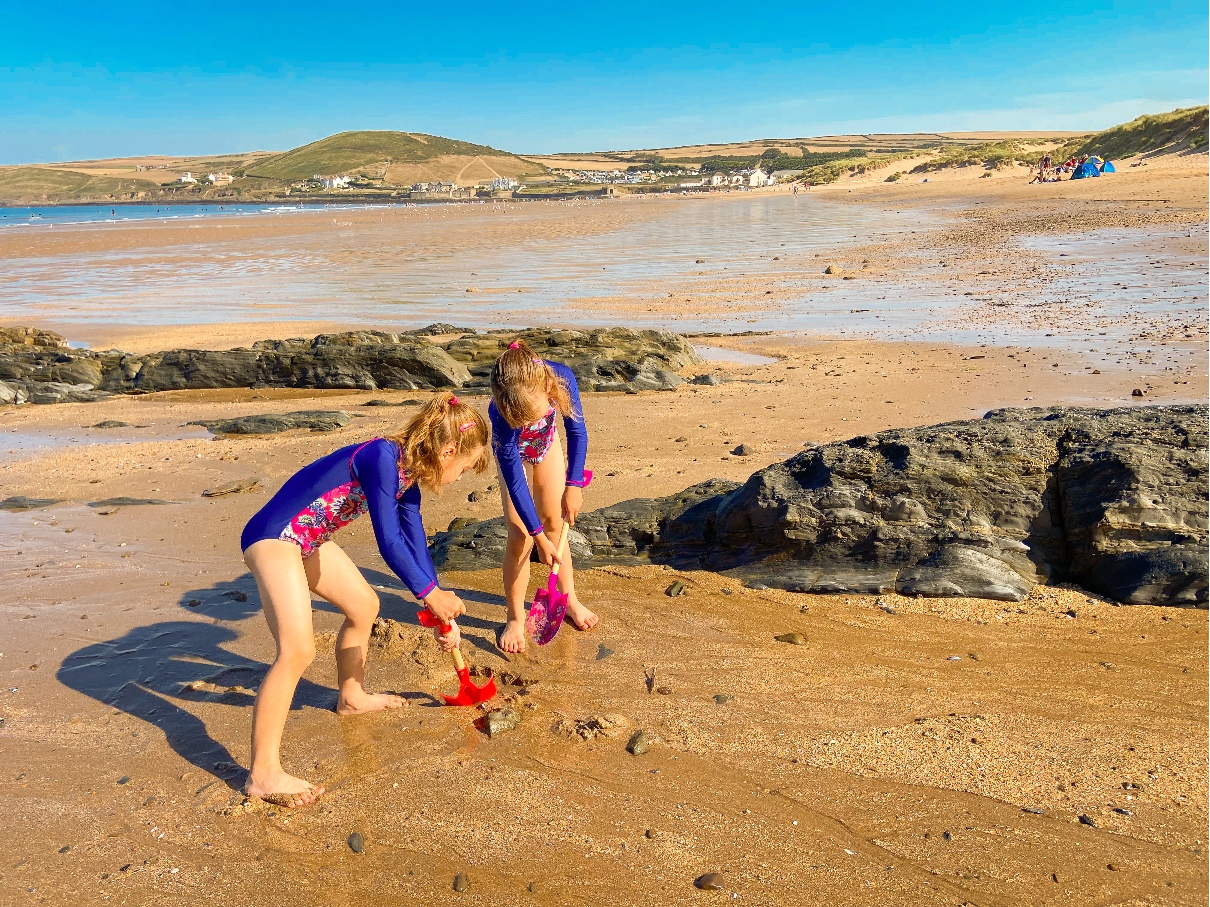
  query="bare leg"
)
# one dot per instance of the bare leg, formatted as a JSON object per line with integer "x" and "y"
{"x": 335, "y": 578}
{"x": 282, "y": 581}
{"x": 516, "y": 576}
{"x": 549, "y": 482}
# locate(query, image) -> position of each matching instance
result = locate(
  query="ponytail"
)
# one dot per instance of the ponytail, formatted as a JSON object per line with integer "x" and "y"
{"x": 517, "y": 375}
{"x": 445, "y": 420}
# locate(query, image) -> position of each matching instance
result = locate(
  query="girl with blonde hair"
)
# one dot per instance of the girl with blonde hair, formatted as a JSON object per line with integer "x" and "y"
{"x": 540, "y": 486}
{"x": 287, "y": 546}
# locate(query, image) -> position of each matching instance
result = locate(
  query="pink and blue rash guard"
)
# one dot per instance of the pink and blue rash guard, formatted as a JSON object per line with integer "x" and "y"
{"x": 334, "y": 490}
{"x": 529, "y": 443}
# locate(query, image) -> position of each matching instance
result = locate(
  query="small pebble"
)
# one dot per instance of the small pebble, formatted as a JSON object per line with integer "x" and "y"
{"x": 677, "y": 588}
{"x": 1087, "y": 820}
{"x": 125, "y": 779}
{"x": 1122, "y": 812}
{"x": 744, "y": 450}
{"x": 755, "y": 586}
{"x": 1032, "y": 811}
{"x": 947, "y": 836}
{"x": 638, "y": 744}
{"x": 723, "y": 698}
{"x": 357, "y": 843}
{"x": 650, "y": 834}
{"x": 664, "y": 690}
{"x": 602, "y": 652}
{"x": 65, "y": 848}
{"x": 711, "y": 881}
{"x": 462, "y": 882}
{"x": 794, "y": 639}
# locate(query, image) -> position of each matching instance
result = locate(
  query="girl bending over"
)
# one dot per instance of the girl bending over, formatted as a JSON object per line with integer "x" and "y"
{"x": 539, "y": 486}
{"x": 288, "y": 549}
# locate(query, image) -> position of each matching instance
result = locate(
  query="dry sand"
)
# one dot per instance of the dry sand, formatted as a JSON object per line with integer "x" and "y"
{"x": 942, "y": 753}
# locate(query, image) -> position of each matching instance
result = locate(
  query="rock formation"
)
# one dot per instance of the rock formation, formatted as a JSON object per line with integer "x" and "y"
{"x": 39, "y": 367}
{"x": 1114, "y": 500}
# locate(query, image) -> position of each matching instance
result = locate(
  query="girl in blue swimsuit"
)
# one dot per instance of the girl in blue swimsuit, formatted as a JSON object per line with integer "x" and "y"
{"x": 287, "y": 546}
{"x": 529, "y": 394}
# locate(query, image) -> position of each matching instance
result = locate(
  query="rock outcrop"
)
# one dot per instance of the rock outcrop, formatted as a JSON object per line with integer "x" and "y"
{"x": 39, "y": 367}
{"x": 271, "y": 423}
{"x": 1114, "y": 500}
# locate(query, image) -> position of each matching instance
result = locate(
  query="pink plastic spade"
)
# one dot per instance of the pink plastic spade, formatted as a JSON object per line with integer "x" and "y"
{"x": 550, "y": 605}
{"x": 468, "y": 693}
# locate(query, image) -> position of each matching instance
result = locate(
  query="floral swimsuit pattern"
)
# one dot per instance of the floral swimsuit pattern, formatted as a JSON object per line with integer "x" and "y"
{"x": 536, "y": 439}
{"x": 331, "y": 511}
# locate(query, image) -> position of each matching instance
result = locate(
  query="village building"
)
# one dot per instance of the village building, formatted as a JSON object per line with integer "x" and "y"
{"x": 186, "y": 177}
{"x": 217, "y": 178}
{"x": 332, "y": 182}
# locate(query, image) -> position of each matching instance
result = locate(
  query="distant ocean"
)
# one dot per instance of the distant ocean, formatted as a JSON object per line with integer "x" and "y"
{"x": 52, "y": 215}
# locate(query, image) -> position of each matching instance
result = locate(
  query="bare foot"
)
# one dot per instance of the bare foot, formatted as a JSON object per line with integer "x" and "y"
{"x": 282, "y": 789}
{"x": 512, "y": 637}
{"x": 363, "y": 702}
{"x": 581, "y": 618}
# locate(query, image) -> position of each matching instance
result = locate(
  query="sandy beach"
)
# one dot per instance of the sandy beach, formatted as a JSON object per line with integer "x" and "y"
{"x": 911, "y": 751}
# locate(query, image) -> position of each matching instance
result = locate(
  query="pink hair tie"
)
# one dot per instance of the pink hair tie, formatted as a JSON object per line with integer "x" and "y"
{"x": 466, "y": 426}
{"x": 515, "y": 345}
{"x": 453, "y": 400}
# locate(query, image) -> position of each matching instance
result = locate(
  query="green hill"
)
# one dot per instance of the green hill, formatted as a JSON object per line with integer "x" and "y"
{"x": 43, "y": 184}
{"x": 374, "y": 153}
{"x": 1162, "y": 133}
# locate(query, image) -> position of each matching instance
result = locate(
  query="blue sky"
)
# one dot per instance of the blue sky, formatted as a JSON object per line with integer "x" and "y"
{"x": 81, "y": 80}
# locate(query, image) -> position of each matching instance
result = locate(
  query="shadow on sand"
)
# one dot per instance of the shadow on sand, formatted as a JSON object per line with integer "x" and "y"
{"x": 149, "y": 670}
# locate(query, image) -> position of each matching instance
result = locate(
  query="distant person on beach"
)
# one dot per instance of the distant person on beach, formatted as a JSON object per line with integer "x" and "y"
{"x": 287, "y": 547}
{"x": 540, "y": 488}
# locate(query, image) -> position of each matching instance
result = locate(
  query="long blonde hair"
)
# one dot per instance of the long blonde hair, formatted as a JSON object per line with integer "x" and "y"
{"x": 519, "y": 373}
{"x": 443, "y": 421}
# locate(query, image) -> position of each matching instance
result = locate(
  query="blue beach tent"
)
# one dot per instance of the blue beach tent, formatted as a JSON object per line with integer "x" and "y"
{"x": 1086, "y": 169}
{"x": 1108, "y": 167}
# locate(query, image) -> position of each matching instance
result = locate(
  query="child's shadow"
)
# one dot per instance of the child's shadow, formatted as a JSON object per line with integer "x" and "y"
{"x": 142, "y": 672}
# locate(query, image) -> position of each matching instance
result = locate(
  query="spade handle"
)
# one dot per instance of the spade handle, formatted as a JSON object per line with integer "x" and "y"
{"x": 554, "y": 570}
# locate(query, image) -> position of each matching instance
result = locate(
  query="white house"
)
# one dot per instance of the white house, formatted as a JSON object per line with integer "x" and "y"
{"x": 505, "y": 183}
{"x": 333, "y": 182}
{"x": 717, "y": 179}
{"x": 737, "y": 179}
{"x": 187, "y": 177}
{"x": 217, "y": 178}
{"x": 758, "y": 178}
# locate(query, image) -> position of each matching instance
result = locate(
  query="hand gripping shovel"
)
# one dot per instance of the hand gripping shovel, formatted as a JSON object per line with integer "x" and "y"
{"x": 468, "y": 693}
{"x": 550, "y": 605}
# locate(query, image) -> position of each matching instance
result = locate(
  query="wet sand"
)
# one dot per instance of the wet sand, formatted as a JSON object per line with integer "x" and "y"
{"x": 894, "y": 758}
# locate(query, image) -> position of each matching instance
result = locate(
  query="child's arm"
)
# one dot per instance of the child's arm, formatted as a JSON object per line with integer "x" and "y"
{"x": 577, "y": 431}
{"x": 512, "y": 472}
{"x": 398, "y": 528}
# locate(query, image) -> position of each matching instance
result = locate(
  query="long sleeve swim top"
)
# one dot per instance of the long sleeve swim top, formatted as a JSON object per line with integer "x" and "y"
{"x": 336, "y": 489}
{"x": 507, "y": 449}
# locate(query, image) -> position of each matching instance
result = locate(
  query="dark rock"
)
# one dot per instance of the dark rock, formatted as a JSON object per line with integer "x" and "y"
{"x": 723, "y": 698}
{"x": 459, "y": 522}
{"x": 239, "y": 486}
{"x": 711, "y": 881}
{"x": 126, "y": 502}
{"x": 500, "y": 721}
{"x": 1112, "y": 499}
{"x": 677, "y": 588}
{"x": 1137, "y": 392}
{"x": 946, "y": 836}
{"x": 237, "y": 595}
{"x": 639, "y": 743}
{"x": 1032, "y": 811}
{"x": 20, "y": 502}
{"x": 744, "y": 450}
{"x": 1087, "y": 820}
{"x": 1122, "y": 812}
{"x": 357, "y": 843}
{"x": 125, "y": 779}
{"x": 602, "y": 652}
{"x": 66, "y": 848}
{"x": 706, "y": 380}
{"x": 462, "y": 882}
{"x": 794, "y": 639}
{"x": 111, "y": 423}
{"x": 755, "y": 586}
{"x": 315, "y": 420}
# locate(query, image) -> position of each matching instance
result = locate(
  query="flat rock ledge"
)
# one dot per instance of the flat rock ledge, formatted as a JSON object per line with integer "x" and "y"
{"x": 1112, "y": 500}
{"x": 39, "y": 366}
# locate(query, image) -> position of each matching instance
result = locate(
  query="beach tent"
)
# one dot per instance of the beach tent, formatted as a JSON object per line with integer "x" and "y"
{"x": 1108, "y": 167}
{"x": 1088, "y": 168}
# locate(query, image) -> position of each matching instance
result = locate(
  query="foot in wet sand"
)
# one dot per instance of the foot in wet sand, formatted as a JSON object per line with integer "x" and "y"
{"x": 581, "y": 618}
{"x": 512, "y": 637}
{"x": 281, "y": 789}
{"x": 363, "y": 702}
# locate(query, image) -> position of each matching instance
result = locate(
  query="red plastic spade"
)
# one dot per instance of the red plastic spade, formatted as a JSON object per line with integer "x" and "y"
{"x": 550, "y": 605}
{"x": 468, "y": 693}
